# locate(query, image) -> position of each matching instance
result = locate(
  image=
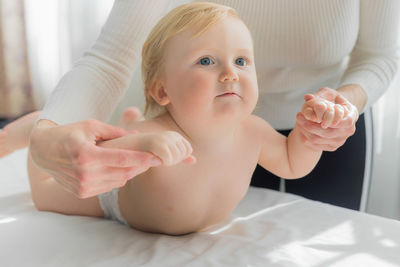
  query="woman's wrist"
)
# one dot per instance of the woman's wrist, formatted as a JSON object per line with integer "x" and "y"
{"x": 355, "y": 95}
{"x": 37, "y": 133}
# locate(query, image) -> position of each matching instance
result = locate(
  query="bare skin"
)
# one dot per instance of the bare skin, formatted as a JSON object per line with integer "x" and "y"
{"x": 209, "y": 101}
{"x": 213, "y": 112}
{"x": 47, "y": 194}
{"x": 14, "y": 135}
{"x": 157, "y": 200}
{"x": 70, "y": 154}
{"x": 330, "y": 136}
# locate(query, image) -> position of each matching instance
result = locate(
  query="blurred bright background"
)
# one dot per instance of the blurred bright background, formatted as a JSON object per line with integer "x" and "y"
{"x": 41, "y": 39}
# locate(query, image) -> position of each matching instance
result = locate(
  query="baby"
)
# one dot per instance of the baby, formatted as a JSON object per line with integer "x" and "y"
{"x": 201, "y": 87}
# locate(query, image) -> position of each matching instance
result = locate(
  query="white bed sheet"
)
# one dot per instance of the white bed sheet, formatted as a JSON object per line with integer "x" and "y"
{"x": 267, "y": 228}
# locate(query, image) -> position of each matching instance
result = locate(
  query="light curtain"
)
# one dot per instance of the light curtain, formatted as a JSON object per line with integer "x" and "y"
{"x": 15, "y": 86}
{"x": 58, "y": 33}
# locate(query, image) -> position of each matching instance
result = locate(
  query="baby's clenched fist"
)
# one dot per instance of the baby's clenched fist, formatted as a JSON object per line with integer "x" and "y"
{"x": 171, "y": 147}
{"x": 322, "y": 111}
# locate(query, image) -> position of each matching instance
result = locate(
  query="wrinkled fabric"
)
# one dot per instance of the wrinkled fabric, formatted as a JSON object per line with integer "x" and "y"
{"x": 267, "y": 228}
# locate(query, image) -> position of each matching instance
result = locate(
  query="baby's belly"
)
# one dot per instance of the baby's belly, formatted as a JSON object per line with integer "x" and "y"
{"x": 179, "y": 204}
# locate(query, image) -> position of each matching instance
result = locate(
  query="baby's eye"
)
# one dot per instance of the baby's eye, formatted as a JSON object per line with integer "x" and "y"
{"x": 205, "y": 61}
{"x": 241, "y": 61}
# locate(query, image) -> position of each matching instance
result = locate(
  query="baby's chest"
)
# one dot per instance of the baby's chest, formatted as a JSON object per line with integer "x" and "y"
{"x": 228, "y": 180}
{"x": 212, "y": 186}
{"x": 226, "y": 172}
{"x": 230, "y": 171}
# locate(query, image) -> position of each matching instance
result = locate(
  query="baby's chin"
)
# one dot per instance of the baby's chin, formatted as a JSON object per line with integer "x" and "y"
{"x": 233, "y": 105}
{"x": 230, "y": 115}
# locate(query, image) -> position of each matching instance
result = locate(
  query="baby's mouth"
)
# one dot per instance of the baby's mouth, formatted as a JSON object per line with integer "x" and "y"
{"x": 228, "y": 94}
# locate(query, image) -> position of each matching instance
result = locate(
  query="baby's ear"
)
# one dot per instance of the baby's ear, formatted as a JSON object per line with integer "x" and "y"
{"x": 158, "y": 93}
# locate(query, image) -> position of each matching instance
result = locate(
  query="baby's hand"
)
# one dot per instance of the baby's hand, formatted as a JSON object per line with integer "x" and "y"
{"x": 169, "y": 146}
{"x": 322, "y": 111}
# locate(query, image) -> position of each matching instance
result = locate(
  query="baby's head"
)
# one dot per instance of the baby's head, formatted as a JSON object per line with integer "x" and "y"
{"x": 173, "y": 34}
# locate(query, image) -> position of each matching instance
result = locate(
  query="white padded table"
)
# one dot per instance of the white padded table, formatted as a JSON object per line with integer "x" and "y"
{"x": 267, "y": 228}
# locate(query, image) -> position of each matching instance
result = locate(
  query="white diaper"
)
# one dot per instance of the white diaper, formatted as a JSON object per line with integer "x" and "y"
{"x": 109, "y": 205}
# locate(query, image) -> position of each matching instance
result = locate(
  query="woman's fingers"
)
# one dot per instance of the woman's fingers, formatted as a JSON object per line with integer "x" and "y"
{"x": 89, "y": 186}
{"x": 318, "y": 140}
{"x": 103, "y": 131}
{"x": 345, "y": 123}
{"x": 330, "y": 132}
{"x": 318, "y": 143}
{"x": 327, "y": 94}
{"x": 120, "y": 157}
{"x": 313, "y": 127}
{"x": 341, "y": 100}
{"x": 328, "y": 139}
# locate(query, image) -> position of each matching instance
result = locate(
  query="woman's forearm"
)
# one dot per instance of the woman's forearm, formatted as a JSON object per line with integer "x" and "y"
{"x": 93, "y": 87}
{"x": 355, "y": 95}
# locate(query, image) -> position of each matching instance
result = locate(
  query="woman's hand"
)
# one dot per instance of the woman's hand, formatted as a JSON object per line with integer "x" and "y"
{"x": 330, "y": 125}
{"x": 69, "y": 153}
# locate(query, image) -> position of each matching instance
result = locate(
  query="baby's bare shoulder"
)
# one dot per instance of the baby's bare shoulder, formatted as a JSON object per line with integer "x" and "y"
{"x": 257, "y": 126}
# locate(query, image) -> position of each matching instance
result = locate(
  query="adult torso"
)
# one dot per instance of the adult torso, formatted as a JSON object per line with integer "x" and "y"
{"x": 300, "y": 46}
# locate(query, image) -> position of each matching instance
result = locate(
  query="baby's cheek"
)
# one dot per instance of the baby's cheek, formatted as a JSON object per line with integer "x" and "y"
{"x": 250, "y": 91}
{"x": 200, "y": 79}
{"x": 200, "y": 84}
{"x": 197, "y": 91}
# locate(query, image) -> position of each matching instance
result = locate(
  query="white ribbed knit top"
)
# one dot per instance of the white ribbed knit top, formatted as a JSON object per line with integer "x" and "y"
{"x": 300, "y": 46}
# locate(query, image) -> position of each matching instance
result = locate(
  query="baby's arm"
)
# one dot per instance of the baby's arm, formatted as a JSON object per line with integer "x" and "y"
{"x": 286, "y": 157}
{"x": 169, "y": 146}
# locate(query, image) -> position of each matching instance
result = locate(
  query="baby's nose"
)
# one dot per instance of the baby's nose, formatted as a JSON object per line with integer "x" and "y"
{"x": 229, "y": 75}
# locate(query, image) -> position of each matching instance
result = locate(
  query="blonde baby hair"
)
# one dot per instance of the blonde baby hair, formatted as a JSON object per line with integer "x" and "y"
{"x": 198, "y": 16}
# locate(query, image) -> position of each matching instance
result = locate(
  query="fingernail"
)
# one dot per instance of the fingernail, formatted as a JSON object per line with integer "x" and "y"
{"x": 155, "y": 162}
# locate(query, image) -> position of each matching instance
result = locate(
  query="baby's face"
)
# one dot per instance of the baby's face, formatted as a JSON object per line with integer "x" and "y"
{"x": 212, "y": 75}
